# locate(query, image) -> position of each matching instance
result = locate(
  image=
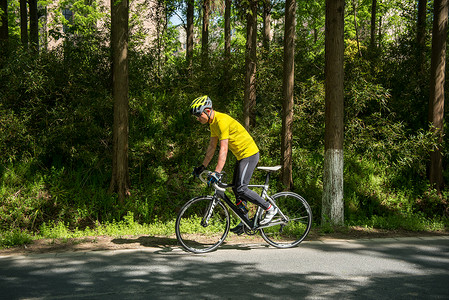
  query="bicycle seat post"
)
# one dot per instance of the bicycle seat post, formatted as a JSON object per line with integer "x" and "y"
{"x": 267, "y": 179}
{"x": 269, "y": 170}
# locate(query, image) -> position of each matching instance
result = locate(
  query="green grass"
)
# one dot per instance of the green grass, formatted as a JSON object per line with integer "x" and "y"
{"x": 14, "y": 238}
{"x": 410, "y": 222}
{"x": 129, "y": 227}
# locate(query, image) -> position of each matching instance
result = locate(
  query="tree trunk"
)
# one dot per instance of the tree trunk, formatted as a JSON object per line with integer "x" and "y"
{"x": 23, "y": 23}
{"x": 421, "y": 34}
{"x": 421, "y": 26}
{"x": 189, "y": 42}
{"x": 288, "y": 85}
{"x": 227, "y": 30}
{"x": 373, "y": 24}
{"x": 356, "y": 27}
{"x": 205, "y": 33}
{"x": 333, "y": 208}
{"x": 34, "y": 26}
{"x": 119, "y": 43}
{"x": 250, "y": 65}
{"x": 160, "y": 28}
{"x": 437, "y": 78}
{"x": 379, "y": 29}
{"x": 4, "y": 21}
{"x": 267, "y": 25}
{"x": 227, "y": 48}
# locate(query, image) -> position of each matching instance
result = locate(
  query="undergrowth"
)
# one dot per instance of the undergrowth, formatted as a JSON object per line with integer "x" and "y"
{"x": 128, "y": 226}
{"x": 56, "y": 116}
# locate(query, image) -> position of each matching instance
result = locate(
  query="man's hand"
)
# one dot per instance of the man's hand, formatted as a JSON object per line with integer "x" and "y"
{"x": 213, "y": 177}
{"x": 198, "y": 170}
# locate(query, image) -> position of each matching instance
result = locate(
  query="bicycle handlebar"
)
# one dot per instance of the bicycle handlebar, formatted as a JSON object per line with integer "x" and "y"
{"x": 218, "y": 185}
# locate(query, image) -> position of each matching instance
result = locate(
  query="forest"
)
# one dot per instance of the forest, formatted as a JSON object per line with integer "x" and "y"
{"x": 60, "y": 101}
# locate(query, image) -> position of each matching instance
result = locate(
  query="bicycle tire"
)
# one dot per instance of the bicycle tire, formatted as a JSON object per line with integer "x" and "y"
{"x": 195, "y": 237}
{"x": 296, "y": 228}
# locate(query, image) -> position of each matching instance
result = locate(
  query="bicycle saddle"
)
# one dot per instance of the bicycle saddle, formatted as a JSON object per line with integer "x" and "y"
{"x": 270, "y": 169}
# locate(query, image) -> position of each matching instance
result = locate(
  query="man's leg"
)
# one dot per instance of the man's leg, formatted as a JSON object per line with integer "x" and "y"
{"x": 242, "y": 175}
{"x": 239, "y": 229}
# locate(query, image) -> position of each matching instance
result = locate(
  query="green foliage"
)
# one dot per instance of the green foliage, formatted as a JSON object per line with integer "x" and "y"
{"x": 126, "y": 226}
{"x": 82, "y": 22}
{"x": 2, "y": 16}
{"x": 14, "y": 238}
{"x": 411, "y": 222}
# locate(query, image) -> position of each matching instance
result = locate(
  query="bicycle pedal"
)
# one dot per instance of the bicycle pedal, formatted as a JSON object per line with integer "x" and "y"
{"x": 239, "y": 231}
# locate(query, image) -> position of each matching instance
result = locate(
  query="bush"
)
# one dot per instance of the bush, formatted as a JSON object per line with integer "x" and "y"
{"x": 14, "y": 238}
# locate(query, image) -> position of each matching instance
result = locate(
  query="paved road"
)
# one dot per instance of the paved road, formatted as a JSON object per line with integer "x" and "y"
{"x": 406, "y": 268}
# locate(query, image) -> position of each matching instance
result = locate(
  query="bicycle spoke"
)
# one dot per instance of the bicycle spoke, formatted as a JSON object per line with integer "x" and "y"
{"x": 199, "y": 229}
{"x": 288, "y": 233}
{"x": 300, "y": 218}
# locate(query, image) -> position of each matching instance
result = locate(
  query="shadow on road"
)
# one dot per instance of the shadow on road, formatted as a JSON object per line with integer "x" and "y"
{"x": 178, "y": 275}
{"x": 168, "y": 244}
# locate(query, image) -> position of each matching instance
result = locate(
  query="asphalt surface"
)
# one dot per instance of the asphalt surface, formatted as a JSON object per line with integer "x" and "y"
{"x": 397, "y": 268}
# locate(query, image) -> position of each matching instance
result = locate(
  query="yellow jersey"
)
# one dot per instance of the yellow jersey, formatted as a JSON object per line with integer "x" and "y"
{"x": 240, "y": 141}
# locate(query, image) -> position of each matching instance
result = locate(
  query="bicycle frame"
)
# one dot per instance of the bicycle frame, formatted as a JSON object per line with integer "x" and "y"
{"x": 221, "y": 195}
{"x": 287, "y": 229}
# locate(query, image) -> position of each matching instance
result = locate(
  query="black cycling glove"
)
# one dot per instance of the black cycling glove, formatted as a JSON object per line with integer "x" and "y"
{"x": 198, "y": 170}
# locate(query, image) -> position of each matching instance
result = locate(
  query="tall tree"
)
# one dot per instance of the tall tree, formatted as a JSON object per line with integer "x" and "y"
{"x": 437, "y": 78}
{"x": 3, "y": 21}
{"x": 227, "y": 30}
{"x": 249, "y": 101}
{"x": 421, "y": 33}
{"x": 160, "y": 18}
{"x": 379, "y": 26}
{"x": 119, "y": 43}
{"x": 205, "y": 33}
{"x": 227, "y": 46}
{"x": 332, "y": 210}
{"x": 34, "y": 25}
{"x": 189, "y": 35}
{"x": 356, "y": 27}
{"x": 23, "y": 23}
{"x": 266, "y": 40}
{"x": 373, "y": 24}
{"x": 288, "y": 85}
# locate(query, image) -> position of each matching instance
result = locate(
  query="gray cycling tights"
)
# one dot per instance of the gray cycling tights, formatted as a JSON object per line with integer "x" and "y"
{"x": 243, "y": 172}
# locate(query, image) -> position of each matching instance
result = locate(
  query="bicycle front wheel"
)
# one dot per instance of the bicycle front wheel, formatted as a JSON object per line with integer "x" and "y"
{"x": 202, "y": 224}
{"x": 292, "y": 230}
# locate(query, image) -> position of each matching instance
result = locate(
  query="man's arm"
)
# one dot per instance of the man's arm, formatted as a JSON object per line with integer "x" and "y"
{"x": 210, "y": 150}
{"x": 222, "y": 155}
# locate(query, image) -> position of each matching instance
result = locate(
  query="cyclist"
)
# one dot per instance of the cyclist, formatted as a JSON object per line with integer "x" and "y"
{"x": 231, "y": 135}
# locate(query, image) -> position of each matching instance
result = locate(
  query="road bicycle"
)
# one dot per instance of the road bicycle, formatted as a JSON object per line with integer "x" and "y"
{"x": 203, "y": 222}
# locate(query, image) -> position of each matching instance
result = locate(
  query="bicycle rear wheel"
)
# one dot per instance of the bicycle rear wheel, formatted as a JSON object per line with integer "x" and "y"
{"x": 292, "y": 231}
{"x": 199, "y": 232}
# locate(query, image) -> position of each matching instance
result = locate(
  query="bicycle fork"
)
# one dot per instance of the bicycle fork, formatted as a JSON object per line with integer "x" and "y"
{"x": 208, "y": 212}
